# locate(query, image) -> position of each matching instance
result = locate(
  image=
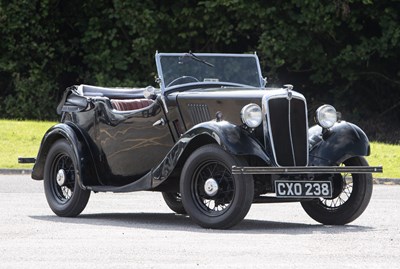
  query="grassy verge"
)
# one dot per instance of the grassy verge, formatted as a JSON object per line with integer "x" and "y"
{"x": 388, "y": 156}
{"x": 22, "y": 138}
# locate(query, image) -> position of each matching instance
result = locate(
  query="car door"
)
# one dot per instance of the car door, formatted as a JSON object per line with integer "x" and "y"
{"x": 132, "y": 142}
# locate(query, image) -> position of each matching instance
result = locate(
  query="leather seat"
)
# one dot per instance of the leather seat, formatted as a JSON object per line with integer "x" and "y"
{"x": 130, "y": 104}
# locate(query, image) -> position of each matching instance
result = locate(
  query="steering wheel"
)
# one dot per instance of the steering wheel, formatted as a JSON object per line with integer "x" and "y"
{"x": 182, "y": 77}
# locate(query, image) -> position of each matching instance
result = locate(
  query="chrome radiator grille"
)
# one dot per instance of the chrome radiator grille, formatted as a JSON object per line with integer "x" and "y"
{"x": 286, "y": 119}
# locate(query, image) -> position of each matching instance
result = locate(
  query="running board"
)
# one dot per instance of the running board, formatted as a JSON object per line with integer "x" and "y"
{"x": 247, "y": 170}
{"x": 141, "y": 184}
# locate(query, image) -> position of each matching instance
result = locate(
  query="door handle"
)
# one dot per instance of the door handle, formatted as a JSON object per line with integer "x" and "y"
{"x": 159, "y": 122}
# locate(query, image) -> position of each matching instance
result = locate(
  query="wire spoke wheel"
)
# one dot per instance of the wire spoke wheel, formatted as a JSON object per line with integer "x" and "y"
{"x": 217, "y": 204}
{"x": 63, "y": 193}
{"x": 63, "y": 166}
{"x": 341, "y": 197}
{"x": 351, "y": 195}
{"x": 212, "y": 196}
{"x": 174, "y": 202}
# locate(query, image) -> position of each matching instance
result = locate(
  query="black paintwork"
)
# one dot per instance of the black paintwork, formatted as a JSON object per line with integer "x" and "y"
{"x": 333, "y": 146}
{"x": 122, "y": 151}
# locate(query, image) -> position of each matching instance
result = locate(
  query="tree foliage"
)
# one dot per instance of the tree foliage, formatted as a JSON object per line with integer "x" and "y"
{"x": 343, "y": 50}
{"x": 340, "y": 51}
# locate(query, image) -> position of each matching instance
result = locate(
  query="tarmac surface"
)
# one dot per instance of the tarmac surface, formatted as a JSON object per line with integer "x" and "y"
{"x": 137, "y": 230}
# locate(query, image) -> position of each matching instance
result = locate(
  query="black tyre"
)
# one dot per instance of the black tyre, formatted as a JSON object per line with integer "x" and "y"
{"x": 352, "y": 194}
{"x": 174, "y": 202}
{"x": 212, "y": 196}
{"x": 63, "y": 193}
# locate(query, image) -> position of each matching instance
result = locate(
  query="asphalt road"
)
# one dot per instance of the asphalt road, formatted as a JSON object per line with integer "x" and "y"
{"x": 137, "y": 230}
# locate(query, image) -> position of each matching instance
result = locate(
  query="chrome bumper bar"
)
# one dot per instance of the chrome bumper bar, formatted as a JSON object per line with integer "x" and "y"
{"x": 246, "y": 170}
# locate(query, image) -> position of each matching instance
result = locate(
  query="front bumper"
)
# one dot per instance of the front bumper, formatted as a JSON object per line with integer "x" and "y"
{"x": 256, "y": 170}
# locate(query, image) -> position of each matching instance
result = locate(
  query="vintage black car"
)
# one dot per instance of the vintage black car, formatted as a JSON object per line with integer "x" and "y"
{"x": 213, "y": 139}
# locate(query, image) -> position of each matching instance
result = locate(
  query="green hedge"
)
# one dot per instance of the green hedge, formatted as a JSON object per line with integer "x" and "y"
{"x": 343, "y": 52}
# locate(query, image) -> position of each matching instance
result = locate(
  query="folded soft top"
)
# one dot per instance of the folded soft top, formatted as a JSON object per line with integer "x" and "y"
{"x": 118, "y": 93}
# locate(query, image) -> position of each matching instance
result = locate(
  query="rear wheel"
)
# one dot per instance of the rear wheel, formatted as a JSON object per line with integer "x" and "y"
{"x": 352, "y": 193}
{"x": 174, "y": 202}
{"x": 63, "y": 193}
{"x": 212, "y": 196}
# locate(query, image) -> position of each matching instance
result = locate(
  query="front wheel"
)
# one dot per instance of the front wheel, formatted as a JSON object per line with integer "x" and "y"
{"x": 63, "y": 193}
{"x": 352, "y": 194}
{"x": 212, "y": 196}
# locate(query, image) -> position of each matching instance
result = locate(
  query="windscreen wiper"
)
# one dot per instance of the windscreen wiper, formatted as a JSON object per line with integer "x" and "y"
{"x": 194, "y": 57}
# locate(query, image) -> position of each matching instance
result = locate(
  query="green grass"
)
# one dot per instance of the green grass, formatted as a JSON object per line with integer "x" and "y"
{"x": 22, "y": 139}
{"x": 388, "y": 156}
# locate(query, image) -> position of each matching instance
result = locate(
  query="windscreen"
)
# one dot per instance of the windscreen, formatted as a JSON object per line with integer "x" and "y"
{"x": 178, "y": 69}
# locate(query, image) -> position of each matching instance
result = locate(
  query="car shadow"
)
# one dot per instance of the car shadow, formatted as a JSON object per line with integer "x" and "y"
{"x": 171, "y": 221}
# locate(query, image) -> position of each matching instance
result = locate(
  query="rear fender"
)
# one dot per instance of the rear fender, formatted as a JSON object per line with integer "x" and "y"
{"x": 86, "y": 170}
{"x": 341, "y": 142}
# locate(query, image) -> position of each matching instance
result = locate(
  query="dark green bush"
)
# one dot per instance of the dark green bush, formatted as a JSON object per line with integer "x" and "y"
{"x": 340, "y": 51}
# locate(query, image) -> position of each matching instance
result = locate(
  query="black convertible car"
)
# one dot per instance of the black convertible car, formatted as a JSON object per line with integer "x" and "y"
{"x": 212, "y": 139}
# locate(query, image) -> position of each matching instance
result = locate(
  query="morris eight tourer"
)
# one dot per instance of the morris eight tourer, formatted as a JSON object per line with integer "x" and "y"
{"x": 213, "y": 139}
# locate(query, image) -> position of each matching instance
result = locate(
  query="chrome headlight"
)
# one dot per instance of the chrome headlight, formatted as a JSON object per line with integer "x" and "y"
{"x": 326, "y": 116}
{"x": 251, "y": 115}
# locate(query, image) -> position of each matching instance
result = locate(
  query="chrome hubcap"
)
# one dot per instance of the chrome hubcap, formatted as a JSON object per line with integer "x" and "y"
{"x": 211, "y": 187}
{"x": 60, "y": 177}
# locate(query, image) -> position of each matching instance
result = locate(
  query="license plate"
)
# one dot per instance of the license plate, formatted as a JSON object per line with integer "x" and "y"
{"x": 303, "y": 189}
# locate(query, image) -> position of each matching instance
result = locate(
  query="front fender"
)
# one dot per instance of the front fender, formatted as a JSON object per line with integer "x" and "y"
{"x": 341, "y": 142}
{"x": 75, "y": 138}
{"x": 230, "y": 137}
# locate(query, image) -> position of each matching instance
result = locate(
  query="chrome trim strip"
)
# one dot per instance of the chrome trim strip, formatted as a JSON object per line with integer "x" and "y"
{"x": 254, "y": 170}
{"x": 290, "y": 134}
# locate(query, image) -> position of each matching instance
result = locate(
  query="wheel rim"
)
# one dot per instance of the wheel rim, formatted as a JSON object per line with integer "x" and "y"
{"x": 341, "y": 198}
{"x": 213, "y": 200}
{"x": 62, "y": 178}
